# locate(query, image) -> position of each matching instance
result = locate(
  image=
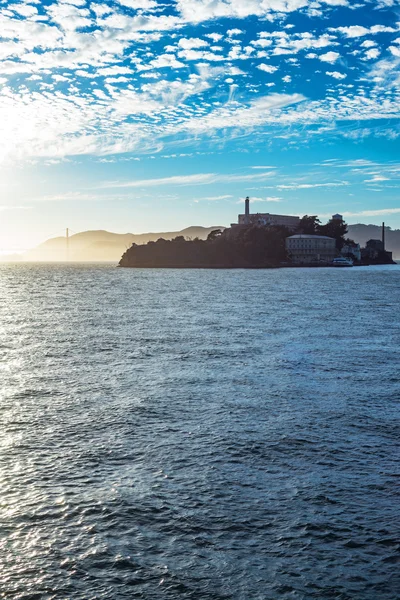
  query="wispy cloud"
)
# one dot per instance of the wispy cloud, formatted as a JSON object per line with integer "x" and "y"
{"x": 257, "y": 199}
{"x": 223, "y": 197}
{"x": 369, "y": 213}
{"x": 376, "y": 179}
{"x": 262, "y": 167}
{"x": 135, "y": 75}
{"x": 196, "y": 179}
{"x": 306, "y": 186}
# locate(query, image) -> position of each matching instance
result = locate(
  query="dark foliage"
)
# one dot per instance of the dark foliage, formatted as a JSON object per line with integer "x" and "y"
{"x": 241, "y": 247}
{"x": 335, "y": 228}
{"x": 309, "y": 225}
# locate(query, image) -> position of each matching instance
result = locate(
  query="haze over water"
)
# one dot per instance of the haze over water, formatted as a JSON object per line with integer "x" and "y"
{"x": 199, "y": 434}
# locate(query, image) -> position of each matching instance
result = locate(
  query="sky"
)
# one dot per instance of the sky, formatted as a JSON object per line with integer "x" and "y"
{"x": 144, "y": 115}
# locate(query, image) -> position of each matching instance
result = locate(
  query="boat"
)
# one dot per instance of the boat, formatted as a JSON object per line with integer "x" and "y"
{"x": 342, "y": 262}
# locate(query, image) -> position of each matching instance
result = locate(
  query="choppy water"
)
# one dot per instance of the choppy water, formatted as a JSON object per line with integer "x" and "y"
{"x": 199, "y": 434}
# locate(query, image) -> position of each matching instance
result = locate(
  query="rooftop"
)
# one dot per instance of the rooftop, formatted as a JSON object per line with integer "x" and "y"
{"x": 310, "y": 237}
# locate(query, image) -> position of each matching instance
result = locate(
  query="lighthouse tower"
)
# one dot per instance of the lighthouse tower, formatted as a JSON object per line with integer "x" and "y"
{"x": 247, "y": 211}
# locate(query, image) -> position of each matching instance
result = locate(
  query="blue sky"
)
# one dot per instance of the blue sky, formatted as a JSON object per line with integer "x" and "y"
{"x": 141, "y": 115}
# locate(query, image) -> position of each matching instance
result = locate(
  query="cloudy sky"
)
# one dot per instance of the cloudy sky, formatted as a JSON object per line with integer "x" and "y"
{"x": 143, "y": 115}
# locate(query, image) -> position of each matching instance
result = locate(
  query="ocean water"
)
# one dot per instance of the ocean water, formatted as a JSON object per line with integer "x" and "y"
{"x": 199, "y": 434}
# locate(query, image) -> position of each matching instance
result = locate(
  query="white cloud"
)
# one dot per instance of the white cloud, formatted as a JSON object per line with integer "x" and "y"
{"x": 307, "y": 186}
{"x": 376, "y": 179}
{"x": 197, "y": 11}
{"x": 200, "y": 55}
{"x": 70, "y": 86}
{"x": 196, "y": 179}
{"x": 262, "y": 110}
{"x": 101, "y": 9}
{"x": 267, "y": 68}
{"x": 263, "y": 200}
{"x": 137, "y": 4}
{"x": 297, "y": 42}
{"x": 262, "y": 167}
{"x": 368, "y": 44}
{"x": 262, "y": 43}
{"x": 372, "y": 213}
{"x": 189, "y": 44}
{"x": 336, "y": 74}
{"x": 354, "y": 31}
{"x": 25, "y": 10}
{"x": 114, "y": 70}
{"x": 215, "y": 37}
{"x": 372, "y": 53}
{"x": 166, "y": 60}
{"x": 395, "y": 50}
{"x": 330, "y": 57}
{"x": 223, "y": 197}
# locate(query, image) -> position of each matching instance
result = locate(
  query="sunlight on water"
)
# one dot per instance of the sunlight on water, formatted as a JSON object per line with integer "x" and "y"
{"x": 198, "y": 434}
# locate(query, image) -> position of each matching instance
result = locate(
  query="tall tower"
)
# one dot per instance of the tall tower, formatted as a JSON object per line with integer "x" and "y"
{"x": 67, "y": 244}
{"x": 383, "y": 235}
{"x": 247, "y": 210}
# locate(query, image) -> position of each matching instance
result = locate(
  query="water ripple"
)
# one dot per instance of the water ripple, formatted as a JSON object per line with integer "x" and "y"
{"x": 198, "y": 434}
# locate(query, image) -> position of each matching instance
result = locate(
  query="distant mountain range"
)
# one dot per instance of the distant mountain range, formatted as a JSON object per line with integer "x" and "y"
{"x": 106, "y": 246}
{"x": 100, "y": 245}
{"x": 362, "y": 233}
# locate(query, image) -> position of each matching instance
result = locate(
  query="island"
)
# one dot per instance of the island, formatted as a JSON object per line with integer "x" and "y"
{"x": 261, "y": 241}
{"x": 252, "y": 247}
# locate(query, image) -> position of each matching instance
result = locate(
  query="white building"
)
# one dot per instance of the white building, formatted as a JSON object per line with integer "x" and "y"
{"x": 303, "y": 249}
{"x": 352, "y": 251}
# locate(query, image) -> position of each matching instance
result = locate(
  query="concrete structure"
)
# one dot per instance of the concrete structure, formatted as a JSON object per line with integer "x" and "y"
{"x": 352, "y": 250}
{"x": 266, "y": 219}
{"x": 337, "y": 217}
{"x": 305, "y": 249}
{"x": 374, "y": 252}
{"x": 376, "y": 245}
{"x": 247, "y": 210}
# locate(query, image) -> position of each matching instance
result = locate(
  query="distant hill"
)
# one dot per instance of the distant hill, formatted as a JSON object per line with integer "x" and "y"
{"x": 103, "y": 245}
{"x": 362, "y": 233}
{"x": 106, "y": 246}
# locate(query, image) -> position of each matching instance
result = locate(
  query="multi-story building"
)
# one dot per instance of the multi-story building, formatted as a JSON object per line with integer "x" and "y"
{"x": 304, "y": 249}
{"x": 288, "y": 221}
{"x": 266, "y": 219}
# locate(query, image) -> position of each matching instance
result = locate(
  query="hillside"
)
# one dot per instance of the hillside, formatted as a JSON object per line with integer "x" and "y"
{"x": 362, "y": 233}
{"x": 106, "y": 246}
{"x": 103, "y": 245}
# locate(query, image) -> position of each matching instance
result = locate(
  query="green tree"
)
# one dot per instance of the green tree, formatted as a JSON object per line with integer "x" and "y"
{"x": 309, "y": 225}
{"x": 335, "y": 228}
